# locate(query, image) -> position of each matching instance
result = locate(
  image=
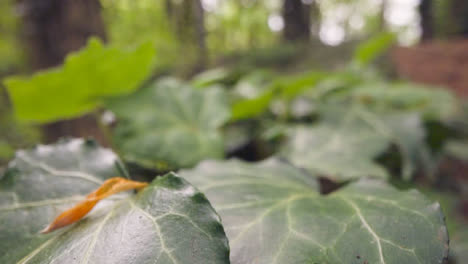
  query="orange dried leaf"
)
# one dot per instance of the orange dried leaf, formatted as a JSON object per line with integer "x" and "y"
{"x": 108, "y": 188}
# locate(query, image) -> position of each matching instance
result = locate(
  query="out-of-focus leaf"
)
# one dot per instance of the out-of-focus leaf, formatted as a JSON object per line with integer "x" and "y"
{"x": 274, "y": 213}
{"x": 431, "y": 102}
{"x": 357, "y": 136}
{"x": 285, "y": 88}
{"x": 339, "y": 153}
{"x": 374, "y": 47}
{"x": 171, "y": 122}
{"x": 168, "y": 222}
{"x": 80, "y": 84}
{"x": 292, "y": 86}
{"x": 407, "y": 132}
{"x": 457, "y": 149}
{"x": 210, "y": 77}
{"x": 250, "y": 108}
{"x": 253, "y": 84}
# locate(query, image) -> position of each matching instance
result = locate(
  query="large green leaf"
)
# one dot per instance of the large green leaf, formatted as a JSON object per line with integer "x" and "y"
{"x": 404, "y": 130}
{"x": 273, "y": 213}
{"x": 346, "y": 142}
{"x": 78, "y": 86}
{"x": 339, "y": 149}
{"x": 168, "y": 222}
{"x": 338, "y": 153}
{"x": 452, "y": 206}
{"x": 172, "y": 123}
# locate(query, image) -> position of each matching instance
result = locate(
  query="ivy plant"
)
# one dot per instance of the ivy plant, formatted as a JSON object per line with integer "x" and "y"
{"x": 273, "y": 213}
{"x": 172, "y": 123}
{"x": 169, "y": 221}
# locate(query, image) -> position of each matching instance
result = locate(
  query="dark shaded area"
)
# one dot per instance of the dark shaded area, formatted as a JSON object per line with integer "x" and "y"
{"x": 427, "y": 19}
{"x": 52, "y": 29}
{"x": 296, "y": 17}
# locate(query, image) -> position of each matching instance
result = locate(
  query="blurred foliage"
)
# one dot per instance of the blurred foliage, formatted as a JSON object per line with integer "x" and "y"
{"x": 170, "y": 125}
{"x": 330, "y": 150}
{"x": 327, "y": 110}
{"x": 79, "y": 85}
{"x": 239, "y": 25}
{"x": 129, "y": 23}
{"x": 10, "y": 49}
{"x": 368, "y": 51}
{"x": 12, "y": 134}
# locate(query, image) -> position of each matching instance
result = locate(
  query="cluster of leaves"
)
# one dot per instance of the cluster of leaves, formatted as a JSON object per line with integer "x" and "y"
{"x": 272, "y": 213}
{"x": 351, "y": 127}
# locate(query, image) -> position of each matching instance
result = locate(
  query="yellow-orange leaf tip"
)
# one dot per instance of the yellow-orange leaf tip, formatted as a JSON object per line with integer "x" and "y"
{"x": 80, "y": 210}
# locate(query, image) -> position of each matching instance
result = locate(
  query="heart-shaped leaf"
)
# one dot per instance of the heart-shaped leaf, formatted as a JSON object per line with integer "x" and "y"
{"x": 171, "y": 122}
{"x": 346, "y": 142}
{"x": 338, "y": 150}
{"x": 273, "y": 213}
{"x": 167, "y": 222}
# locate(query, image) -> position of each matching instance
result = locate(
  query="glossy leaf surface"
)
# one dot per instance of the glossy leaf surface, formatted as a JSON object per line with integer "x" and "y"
{"x": 273, "y": 213}
{"x": 167, "y": 222}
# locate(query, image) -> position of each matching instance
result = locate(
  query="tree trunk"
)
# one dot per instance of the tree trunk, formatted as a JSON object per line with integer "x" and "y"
{"x": 460, "y": 12}
{"x": 296, "y": 16}
{"x": 187, "y": 20}
{"x": 427, "y": 19}
{"x": 52, "y": 29}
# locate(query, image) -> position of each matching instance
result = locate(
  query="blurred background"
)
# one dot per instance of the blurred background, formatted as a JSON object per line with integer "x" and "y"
{"x": 71, "y": 68}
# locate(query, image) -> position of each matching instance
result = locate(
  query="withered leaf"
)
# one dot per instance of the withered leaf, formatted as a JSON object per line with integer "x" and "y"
{"x": 108, "y": 188}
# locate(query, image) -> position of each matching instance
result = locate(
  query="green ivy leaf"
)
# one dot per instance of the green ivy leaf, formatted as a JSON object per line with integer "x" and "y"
{"x": 171, "y": 122}
{"x": 338, "y": 153}
{"x": 78, "y": 86}
{"x": 167, "y": 222}
{"x": 273, "y": 213}
{"x": 340, "y": 149}
{"x": 346, "y": 142}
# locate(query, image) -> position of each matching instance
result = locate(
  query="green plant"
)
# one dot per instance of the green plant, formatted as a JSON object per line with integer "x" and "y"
{"x": 168, "y": 222}
{"x": 167, "y": 119}
{"x": 172, "y": 222}
{"x": 80, "y": 84}
{"x": 348, "y": 133}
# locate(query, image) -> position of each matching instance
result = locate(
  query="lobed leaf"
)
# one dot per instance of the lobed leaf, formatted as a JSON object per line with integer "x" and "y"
{"x": 172, "y": 123}
{"x": 167, "y": 222}
{"x": 340, "y": 150}
{"x": 346, "y": 142}
{"x": 79, "y": 85}
{"x": 274, "y": 213}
